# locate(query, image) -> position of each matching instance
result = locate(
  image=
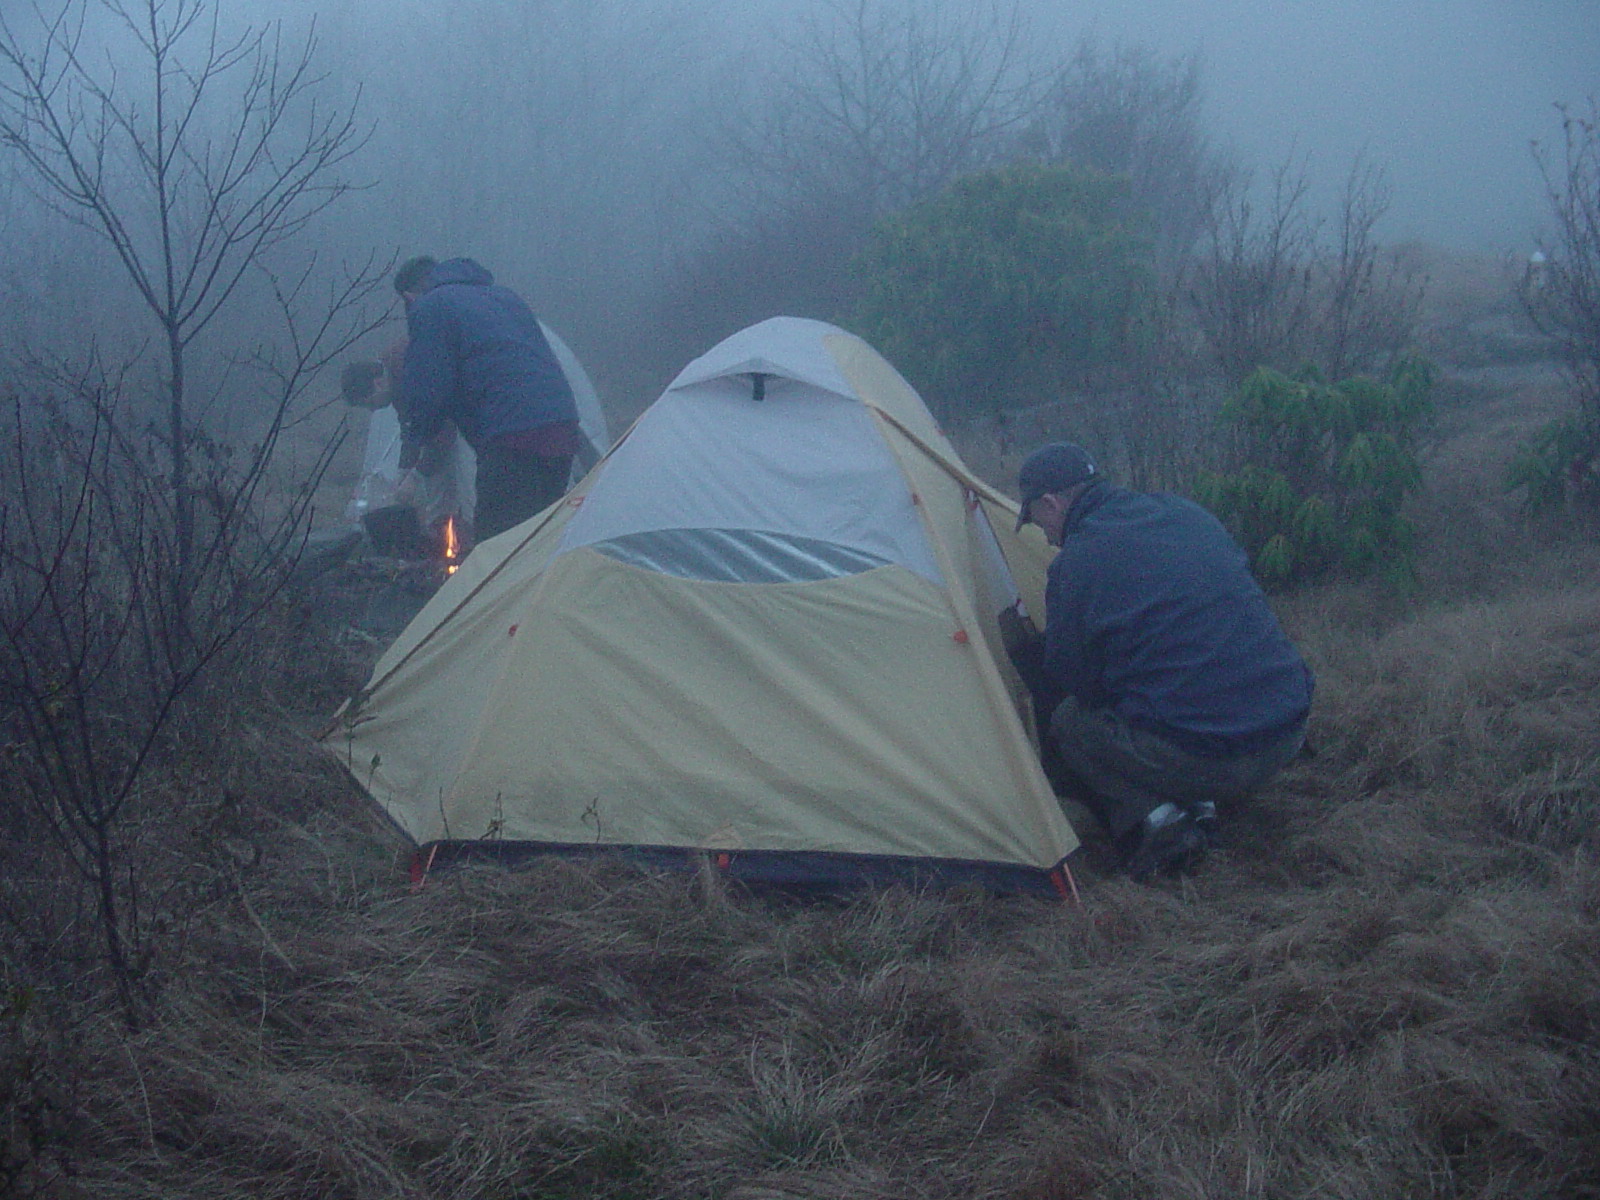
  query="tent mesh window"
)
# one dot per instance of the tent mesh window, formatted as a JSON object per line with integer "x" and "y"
{"x": 738, "y": 555}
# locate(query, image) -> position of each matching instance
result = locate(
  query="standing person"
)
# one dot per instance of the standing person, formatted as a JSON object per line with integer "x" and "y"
{"x": 478, "y": 359}
{"x": 1168, "y": 682}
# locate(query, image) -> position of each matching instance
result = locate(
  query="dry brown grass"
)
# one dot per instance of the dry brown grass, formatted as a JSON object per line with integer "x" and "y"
{"x": 1388, "y": 985}
{"x": 1310, "y": 1020}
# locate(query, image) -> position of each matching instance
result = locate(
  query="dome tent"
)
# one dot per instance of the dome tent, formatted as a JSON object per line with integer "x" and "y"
{"x": 764, "y": 627}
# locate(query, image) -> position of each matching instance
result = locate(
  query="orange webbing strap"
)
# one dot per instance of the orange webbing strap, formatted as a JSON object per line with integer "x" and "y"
{"x": 420, "y": 866}
{"x": 1066, "y": 884}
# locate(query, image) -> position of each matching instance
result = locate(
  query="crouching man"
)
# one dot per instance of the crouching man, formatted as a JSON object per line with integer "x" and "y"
{"x": 1168, "y": 683}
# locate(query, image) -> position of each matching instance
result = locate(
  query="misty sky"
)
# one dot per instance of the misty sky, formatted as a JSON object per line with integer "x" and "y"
{"x": 1446, "y": 94}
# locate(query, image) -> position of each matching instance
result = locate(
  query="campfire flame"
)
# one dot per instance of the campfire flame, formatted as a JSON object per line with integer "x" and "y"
{"x": 452, "y": 547}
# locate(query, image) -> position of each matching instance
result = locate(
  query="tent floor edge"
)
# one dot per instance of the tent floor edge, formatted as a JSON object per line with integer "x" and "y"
{"x": 809, "y": 872}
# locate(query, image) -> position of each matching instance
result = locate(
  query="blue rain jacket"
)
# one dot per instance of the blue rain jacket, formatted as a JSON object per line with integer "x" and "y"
{"x": 1151, "y": 610}
{"x": 478, "y": 358}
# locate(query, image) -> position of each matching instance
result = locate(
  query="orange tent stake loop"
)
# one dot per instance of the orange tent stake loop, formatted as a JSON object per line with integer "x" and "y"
{"x": 420, "y": 865}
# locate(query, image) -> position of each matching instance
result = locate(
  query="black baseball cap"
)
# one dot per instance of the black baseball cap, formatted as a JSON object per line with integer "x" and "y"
{"x": 1055, "y": 467}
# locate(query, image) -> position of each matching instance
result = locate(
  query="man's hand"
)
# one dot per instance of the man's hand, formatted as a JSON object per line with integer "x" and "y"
{"x": 1025, "y": 644}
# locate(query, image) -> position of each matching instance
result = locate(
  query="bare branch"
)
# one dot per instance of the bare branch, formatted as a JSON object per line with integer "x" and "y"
{"x": 881, "y": 102}
{"x": 135, "y": 552}
{"x": 1563, "y": 296}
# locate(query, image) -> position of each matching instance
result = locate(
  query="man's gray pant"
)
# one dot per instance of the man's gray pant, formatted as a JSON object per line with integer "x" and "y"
{"x": 514, "y": 484}
{"x": 1130, "y": 772}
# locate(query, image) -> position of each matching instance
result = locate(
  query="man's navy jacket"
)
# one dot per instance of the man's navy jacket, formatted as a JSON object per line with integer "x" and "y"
{"x": 477, "y": 357}
{"x": 1151, "y": 611}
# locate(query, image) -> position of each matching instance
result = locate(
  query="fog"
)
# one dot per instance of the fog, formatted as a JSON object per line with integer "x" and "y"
{"x": 1446, "y": 94}
{"x": 590, "y": 152}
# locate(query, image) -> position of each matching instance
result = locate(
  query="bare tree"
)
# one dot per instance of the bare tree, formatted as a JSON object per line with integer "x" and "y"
{"x": 1563, "y": 295}
{"x": 1125, "y": 111}
{"x": 1368, "y": 297}
{"x": 872, "y": 104}
{"x": 136, "y": 553}
{"x": 193, "y": 152}
{"x": 100, "y": 665}
{"x": 863, "y": 107}
{"x": 1251, "y": 290}
{"x": 1268, "y": 289}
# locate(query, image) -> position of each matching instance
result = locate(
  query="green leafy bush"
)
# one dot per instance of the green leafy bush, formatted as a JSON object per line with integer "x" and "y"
{"x": 1325, "y": 470}
{"x": 1558, "y": 465}
{"x": 1005, "y": 281}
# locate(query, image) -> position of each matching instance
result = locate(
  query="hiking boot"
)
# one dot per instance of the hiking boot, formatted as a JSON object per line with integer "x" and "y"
{"x": 1167, "y": 842}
